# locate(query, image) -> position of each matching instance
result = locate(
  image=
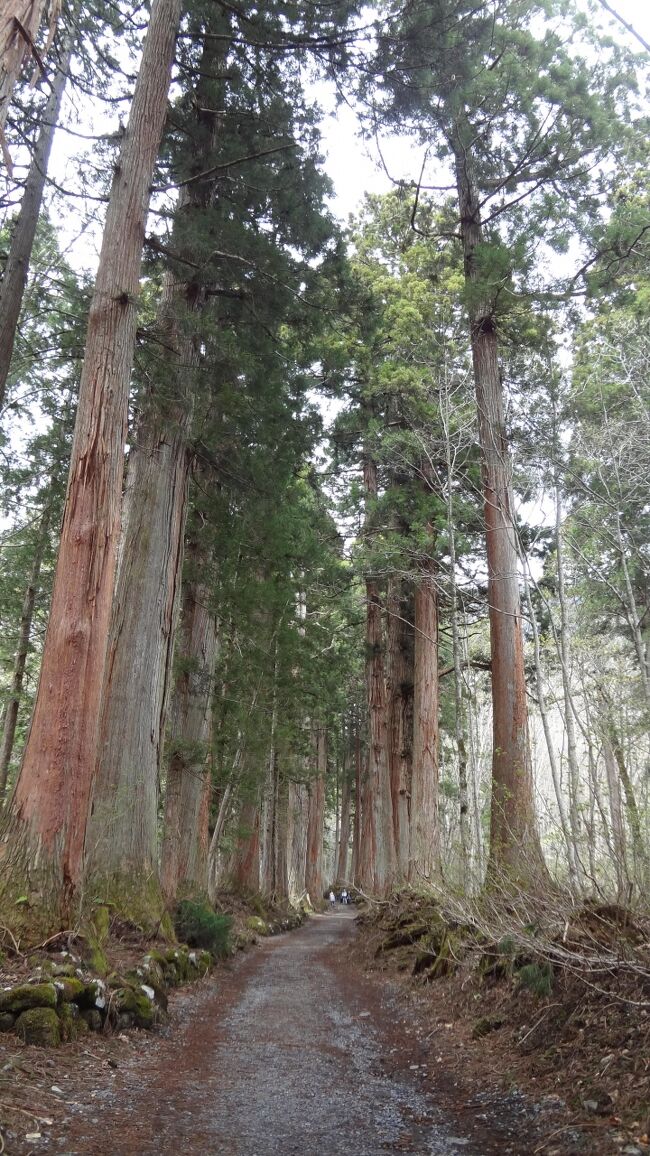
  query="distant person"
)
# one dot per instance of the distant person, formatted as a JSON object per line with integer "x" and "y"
{"x": 332, "y": 899}
{"x": 344, "y": 896}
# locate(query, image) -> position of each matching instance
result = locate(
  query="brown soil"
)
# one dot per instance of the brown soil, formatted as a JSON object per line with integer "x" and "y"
{"x": 585, "y": 1044}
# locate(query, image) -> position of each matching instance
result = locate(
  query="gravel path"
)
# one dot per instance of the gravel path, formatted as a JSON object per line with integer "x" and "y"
{"x": 291, "y": 1051}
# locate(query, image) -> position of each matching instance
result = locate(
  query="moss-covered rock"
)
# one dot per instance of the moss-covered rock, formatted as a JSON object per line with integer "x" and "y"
{"x": 152, "y": 971}
{"x": 40, "y": 1026}
{"x": 177, "y": 965}
{"x": 93, "y": 1018}
{"x": 92, "y": 995}
{"x": 139, "y": 1005}
{"x": 69, "y": 988}
{"x": 28, "y": 995}
{"x": 258, "y": 925}
{"x": 58, "y": 969}
{"x": 96, "y": 934}
{"x": 138, "y": 978}
{"x": 72, "y": 1023}
{"x": 7, "y": 1021}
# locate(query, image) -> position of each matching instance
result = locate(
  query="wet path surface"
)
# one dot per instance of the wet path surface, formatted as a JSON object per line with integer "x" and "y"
{"x": 291, "y": 1052}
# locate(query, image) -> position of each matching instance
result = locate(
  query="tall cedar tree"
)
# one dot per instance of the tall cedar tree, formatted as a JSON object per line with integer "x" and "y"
{"x": 521, "y": 118}
{"x": 43, "y": 837}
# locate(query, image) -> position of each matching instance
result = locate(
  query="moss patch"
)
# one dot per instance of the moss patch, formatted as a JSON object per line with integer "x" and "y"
{"x": 28, "y": 995}
{"x": 40, "y": 1026}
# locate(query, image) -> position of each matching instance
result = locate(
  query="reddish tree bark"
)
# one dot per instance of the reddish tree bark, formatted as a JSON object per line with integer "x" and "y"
{"x": 298, "y": 819}
{"x": 515, "y": 849}
{"x": 314, "y": 861}
{"x": 244, "y": 870}
{"x": 44, "y": 839}
{"x": 378, "y": 850}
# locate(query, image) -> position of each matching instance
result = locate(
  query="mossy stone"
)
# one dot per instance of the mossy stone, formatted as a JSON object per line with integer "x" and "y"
{"x": 153, "y": 967}
{"x": 28, "y": 995}
{"x": 257, "y": 924}
{"x": 69, "y": 988}
{"x": 92, "y": 995}
{"x": 140, "y": 981}
{"x": 40, "y": 1026}
{"x": 138, "y": 1005}
{"x": 176, "y": 966}
{"x": 7, "y": 1021}
{"x": 93, "y": 1018}
{"x": 72, "y": 1024}
{"x": 63, "y": 969}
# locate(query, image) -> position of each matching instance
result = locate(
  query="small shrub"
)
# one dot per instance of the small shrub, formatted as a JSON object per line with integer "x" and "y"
{"x": 198, "y": 925}
{"x": 537, "y": 977}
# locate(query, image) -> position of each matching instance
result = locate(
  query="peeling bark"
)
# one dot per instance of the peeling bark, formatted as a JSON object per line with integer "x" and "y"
{"x": 515, "y": 848}
{"x": 43, "y": 840}
{"x": 184, "y": 853}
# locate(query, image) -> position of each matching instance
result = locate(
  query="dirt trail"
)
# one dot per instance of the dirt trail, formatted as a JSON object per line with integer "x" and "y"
{"x": 291, "y": 1051}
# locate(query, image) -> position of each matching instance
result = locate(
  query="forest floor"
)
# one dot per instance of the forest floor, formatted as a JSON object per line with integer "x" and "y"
{"x": 295, "y": 1047}
{"x": 557, "y": 1007}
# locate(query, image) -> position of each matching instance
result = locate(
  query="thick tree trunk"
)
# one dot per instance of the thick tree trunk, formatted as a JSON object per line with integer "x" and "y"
{"x": 122, "y": 840}
{"x": 244, "y": 871}
{"x": 342, "y": 847}
{"x": 314, "y": 861}
{"x": 269, "y": 828}
{"x": 401, "y": 648}
{"x": 459, "y": 713}
{"x": 355, "y": 872}
{"x": 515, "y": 849}
{"x": 44, "y": 838}
{"x": 298, "y": 818}
{"x": 425, "y": 834}
{"x": 378, "y": 851}
{"x": 122, "y": 835}
{"x": 184, "y": 855}
{"x": 22, "y": 650}
{"x": 14, "y": 277}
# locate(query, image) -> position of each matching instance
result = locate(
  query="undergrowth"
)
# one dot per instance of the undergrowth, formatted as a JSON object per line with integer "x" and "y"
{"x": 198, "y": 925}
